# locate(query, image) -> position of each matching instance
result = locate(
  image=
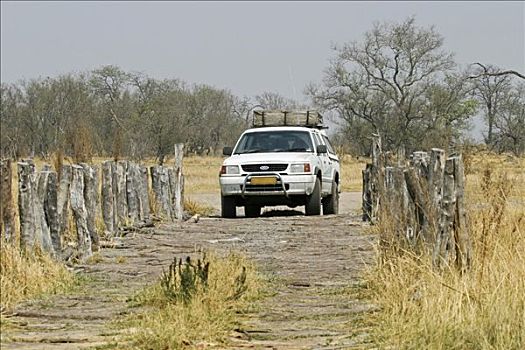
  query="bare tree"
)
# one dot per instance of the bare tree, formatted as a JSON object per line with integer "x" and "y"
{"x": 488, "y": 72}
{"x": 386, "y": 81}
{"x": 273, "y": 100}
{"x": 490, "y": 90}
{"x": 509, "y": 124}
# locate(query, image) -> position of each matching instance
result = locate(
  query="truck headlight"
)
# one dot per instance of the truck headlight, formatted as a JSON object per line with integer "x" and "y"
{"x": 300, "y": 168}
{"x": 230, "y": 170}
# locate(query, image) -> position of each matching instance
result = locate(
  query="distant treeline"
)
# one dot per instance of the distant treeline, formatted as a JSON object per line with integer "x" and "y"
{"x": 397, "y": 82}
{"x": 110, "y": 112}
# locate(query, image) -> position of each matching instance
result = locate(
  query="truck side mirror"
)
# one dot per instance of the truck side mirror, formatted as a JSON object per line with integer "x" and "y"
{"x": 321, "y": 149}
{"x": 227, "y": 151}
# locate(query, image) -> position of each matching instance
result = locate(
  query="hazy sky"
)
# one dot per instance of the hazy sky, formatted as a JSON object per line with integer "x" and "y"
{"x": 243, "y": 46}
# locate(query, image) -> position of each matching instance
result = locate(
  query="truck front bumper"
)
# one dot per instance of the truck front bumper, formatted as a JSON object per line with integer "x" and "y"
{"x": 285, "y": 185}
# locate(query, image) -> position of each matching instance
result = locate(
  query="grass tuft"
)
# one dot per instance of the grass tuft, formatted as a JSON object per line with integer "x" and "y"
{"x": 194, "y": 302}
{"x": 193, "y": 207}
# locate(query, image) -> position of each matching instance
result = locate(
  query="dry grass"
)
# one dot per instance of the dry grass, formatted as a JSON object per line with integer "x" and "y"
{"x": 26, "y": 276}
{"x": 202, "y": 173}
{"x": 208, "y": 317}
{"x": 194, "y": 207}
{"x": 421, "y": 308}
{"x": 351, "y": 173}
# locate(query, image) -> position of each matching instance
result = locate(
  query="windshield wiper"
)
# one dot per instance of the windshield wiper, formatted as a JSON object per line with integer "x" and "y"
{"x": 293, "y": 150}
{"x": 250, "y": 151}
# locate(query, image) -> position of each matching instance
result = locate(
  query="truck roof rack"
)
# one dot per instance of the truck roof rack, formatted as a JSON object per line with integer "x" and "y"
{"x": 308, "y": 118}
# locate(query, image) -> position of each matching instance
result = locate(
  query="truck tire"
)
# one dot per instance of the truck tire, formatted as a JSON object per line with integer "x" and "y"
{"x": 252, "y": 211}
{"x": 228, "y": 209}
{"x": 313, "y": 201}
{"x": 331, "y": 202}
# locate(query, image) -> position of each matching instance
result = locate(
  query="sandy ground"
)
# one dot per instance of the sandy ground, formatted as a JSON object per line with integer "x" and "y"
{"x": 310, "y": 261}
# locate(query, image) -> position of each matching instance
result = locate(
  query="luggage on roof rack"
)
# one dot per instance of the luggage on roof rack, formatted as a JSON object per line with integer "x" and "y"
{"x": 312, "y": 119}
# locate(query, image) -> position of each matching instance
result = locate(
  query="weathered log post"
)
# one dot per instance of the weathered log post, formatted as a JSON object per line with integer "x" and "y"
{"x": 107, "y": 198}
{"x": 42, "y": 231}
{"x": 367, "y": 193}
{"x": 90, "y": 175}
{"x": 405, "y": 214}
{"x": 7, "y": 218}
{"x": 448, "y": 203}
{"x": 376, "y": 150}
{"x": 143, "y": 194}
{"x": 376, "y": 178}
{"x": 155, "y": 187}
{"x": 178, "y": 189}
{"x": 436, "y": 168}
{"x": 63, "y": 199}
{"x": 420, "y": 201}
{"x": 463, "y": 243}
{"x": 26, "y": 205}
{"x": 78, "y": 207}
{"x": 371, "y": 179}
{"x": 162, "y": 191}
{"x": 401, "y": 156}
{"x": 132, "y": 174}
{"x": 420, "y": 161}
{"x": 120, "y": 194}
{"x": 52, "y": 214}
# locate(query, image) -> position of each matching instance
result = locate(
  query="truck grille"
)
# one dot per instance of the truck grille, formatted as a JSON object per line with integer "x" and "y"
{"x": 266, "y": 188}
{"x": 251, "y": 168}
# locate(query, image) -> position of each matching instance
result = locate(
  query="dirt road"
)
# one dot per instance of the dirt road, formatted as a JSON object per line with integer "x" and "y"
{"x": 311, "y": 260}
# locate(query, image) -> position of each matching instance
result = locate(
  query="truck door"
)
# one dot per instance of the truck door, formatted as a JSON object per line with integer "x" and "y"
{"x": 332, "y": 158}
{"x": 326, "y": 166}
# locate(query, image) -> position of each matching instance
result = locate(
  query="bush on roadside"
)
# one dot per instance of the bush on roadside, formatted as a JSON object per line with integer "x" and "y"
{"x": 195, "y": 301}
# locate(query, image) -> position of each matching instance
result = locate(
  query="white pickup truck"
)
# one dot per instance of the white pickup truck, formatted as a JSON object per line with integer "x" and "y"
{"x": 293, "y": 164}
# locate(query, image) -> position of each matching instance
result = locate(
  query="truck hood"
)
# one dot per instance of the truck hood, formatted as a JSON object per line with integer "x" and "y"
{"x": 268, "y": 158}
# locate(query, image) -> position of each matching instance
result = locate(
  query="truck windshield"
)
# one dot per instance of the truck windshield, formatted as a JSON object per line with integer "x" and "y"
{"x": 275, "y": 141}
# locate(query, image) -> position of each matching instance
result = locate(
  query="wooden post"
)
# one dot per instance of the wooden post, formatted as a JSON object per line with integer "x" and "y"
{"x": 402, "y": 203}
{"x": 436, "y": 170}
{"x": 119, "y": 188}
{"x": 42, "y": 231}
{"x": 51, "y": 211}
{"x": 144, "y": 194}
{"x": 448, "y": 203}
{"x": 417, "y": 195}
{"x": 132, "y": 182}
{"x": 367, "y": 193}
{"x": 90, "y": 175}
{"x": 389, "y": 180}
{"x": 376, "y": 150}
{"x": 7, "y": 218}
{"x": 26, "y": 205}
{"x": 108, "y": 205}
{"x": 178, "y": 189}
{"x": 401, "y": 156}
{"x": 420, "y": 161}
{"x": 161, "y": 187}
{"x": 78, "y": 207}
{"x": 63, "y": 198}
{"x": 461, "y": 228}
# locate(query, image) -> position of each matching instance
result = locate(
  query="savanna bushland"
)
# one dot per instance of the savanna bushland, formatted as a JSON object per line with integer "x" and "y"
{"x": 311, "y": 282}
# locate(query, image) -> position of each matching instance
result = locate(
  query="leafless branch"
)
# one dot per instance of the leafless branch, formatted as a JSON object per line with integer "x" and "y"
{"x": 486, "y": 72}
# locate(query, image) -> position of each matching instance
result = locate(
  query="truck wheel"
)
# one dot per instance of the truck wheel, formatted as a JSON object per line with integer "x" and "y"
{"x": 228, "y": 209}
{"x": 313, "y": 201}
{"x": 252, "y": 211}
{"x": 331, "y": 203}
